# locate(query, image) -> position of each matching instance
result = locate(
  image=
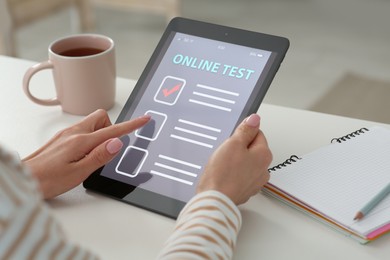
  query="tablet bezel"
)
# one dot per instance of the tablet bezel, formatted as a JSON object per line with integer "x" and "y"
{"x": 156, "y": 202}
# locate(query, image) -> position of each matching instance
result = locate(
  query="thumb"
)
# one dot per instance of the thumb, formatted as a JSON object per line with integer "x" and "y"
{"x": 248, "y": 129}
{"x": 102, "y": 154}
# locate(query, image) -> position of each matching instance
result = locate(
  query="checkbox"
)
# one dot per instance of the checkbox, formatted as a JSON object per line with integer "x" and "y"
{"x": 169, "y": 91}
{"x": 152, "y": 129}
{"x": 131, "y": 161}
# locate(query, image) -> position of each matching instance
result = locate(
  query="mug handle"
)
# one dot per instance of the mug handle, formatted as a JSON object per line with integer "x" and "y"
{"x": 26, "y": 84}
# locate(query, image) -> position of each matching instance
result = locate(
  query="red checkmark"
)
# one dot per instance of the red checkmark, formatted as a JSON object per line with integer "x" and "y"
{"x": 168, "y": 92}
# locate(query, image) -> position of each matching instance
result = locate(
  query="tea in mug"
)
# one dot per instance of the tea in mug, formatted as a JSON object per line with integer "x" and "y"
{"x": 79, "y": 52}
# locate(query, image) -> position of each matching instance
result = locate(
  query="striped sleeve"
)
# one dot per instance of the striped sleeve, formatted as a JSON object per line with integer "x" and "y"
{"x": 27, "y": 228}
{"x": 206, "y": 228}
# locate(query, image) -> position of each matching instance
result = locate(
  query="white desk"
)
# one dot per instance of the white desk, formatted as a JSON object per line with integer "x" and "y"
{"x": 117, "y": 230}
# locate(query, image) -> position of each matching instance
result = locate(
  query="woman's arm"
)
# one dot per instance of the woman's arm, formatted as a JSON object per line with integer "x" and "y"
{"x": 27, "y": 228}
{"x": 208, "y": 226}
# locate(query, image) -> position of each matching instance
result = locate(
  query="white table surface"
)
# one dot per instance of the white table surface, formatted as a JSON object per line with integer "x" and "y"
{"x": 115, "y": 230}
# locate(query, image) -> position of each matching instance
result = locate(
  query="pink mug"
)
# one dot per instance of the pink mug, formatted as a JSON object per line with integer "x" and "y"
{"x": 84, "y": 74}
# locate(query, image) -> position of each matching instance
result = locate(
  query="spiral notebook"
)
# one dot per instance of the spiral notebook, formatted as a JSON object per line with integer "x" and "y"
{"x": 333, "y": 182}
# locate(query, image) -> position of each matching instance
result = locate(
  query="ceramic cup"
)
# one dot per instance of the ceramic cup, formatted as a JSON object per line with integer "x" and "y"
{"x": 84, "y": 74}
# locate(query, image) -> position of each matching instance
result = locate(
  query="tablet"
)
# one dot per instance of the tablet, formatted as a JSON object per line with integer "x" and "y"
{"x": 200, "y": 83}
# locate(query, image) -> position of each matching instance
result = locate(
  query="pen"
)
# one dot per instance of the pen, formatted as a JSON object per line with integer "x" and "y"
{"x": 373, "y": 202}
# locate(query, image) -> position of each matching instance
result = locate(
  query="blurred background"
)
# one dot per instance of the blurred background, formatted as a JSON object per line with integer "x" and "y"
{"x": 338, "y": 61}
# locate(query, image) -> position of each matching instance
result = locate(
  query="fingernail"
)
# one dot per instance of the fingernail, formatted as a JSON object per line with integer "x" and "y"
{"x": 114, "y": 146}
{"x": 253, "y": 120}
{"x": 145, "y": 117}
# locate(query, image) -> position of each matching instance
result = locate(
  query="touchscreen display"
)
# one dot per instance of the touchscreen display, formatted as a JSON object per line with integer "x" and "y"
{"x": 196, "y": 94}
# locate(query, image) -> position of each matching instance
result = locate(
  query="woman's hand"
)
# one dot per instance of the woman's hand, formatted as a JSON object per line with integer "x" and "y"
{"x": 239, "y": 167}
{"x": 74, "y": 153}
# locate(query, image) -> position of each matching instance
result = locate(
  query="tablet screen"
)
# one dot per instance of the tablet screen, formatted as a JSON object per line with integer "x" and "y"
{"x": 200, "y": 83}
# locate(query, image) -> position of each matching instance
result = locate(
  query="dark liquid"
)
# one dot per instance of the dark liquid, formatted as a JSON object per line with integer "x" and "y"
{"x": 81, "y": 52}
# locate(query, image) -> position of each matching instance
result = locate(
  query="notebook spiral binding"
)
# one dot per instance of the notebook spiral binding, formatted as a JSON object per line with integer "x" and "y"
{"x": 349, "y": 136}
{"x": 294, "y": 158}
{"x": 291, "y": 160}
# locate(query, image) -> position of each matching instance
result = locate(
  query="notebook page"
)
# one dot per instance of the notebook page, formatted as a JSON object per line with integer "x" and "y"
{"x": 338, "y": 179}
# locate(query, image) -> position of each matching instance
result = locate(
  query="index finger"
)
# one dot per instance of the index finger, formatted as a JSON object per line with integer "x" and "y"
{"x": 118, "y": 130}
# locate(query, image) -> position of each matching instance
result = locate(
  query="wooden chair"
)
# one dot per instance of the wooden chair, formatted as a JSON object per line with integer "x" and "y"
{"x": 15, "y": 14}
{"x": 168, "y": 8}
